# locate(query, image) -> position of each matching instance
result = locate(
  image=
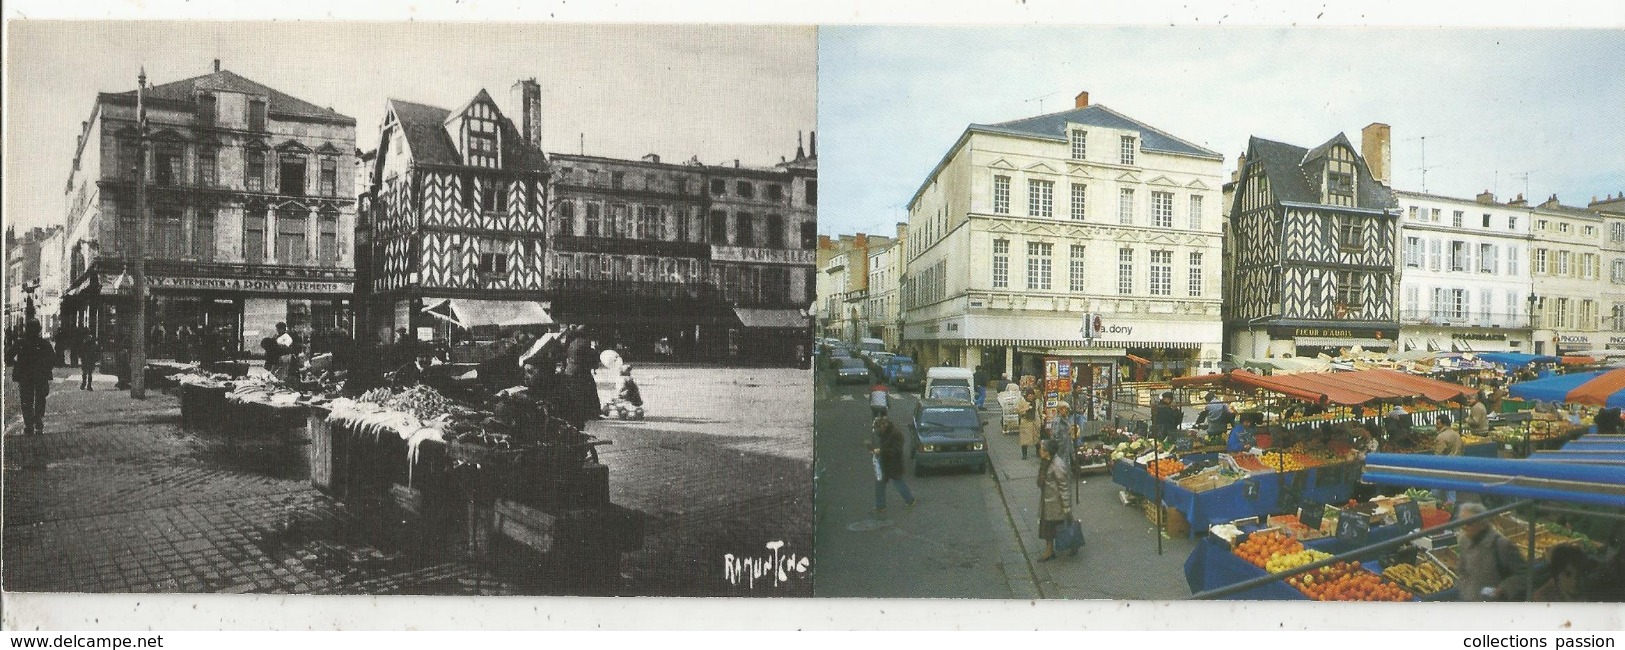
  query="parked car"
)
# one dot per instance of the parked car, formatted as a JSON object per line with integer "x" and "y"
{"x": 891, "y": 364}
{"x": 905, "y": 376}
{"x": 851, "y": 370}
{"x": 948, "y": 434}
{"x": 877, "y": 361}
{"x": 836, "y": 355}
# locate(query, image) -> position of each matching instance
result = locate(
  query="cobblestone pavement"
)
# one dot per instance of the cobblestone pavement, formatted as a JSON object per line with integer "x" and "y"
{"x": 116, "y": 497}
{"x": 972, "y": 536}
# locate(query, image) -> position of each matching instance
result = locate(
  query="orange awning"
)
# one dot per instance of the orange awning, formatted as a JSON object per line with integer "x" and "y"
{"x": 1575, "y": 360}
{"x": 1140, "y": 360}
{"x": 1345, "y": 388}
{"x": 1597, "y": 391}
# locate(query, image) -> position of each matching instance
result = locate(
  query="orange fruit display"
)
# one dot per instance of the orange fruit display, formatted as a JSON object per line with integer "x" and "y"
{"x": 1347, "y": 581}
{"x": 1260, "y": 547}
{"x": 1165, "y": 467}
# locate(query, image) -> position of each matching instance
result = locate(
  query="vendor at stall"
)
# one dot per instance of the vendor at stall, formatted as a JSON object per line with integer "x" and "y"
{"x": 1166, "y": 418}
{"x": 412, "y": 372}
{"x": 1478, "y": 416}
{"x": 1244, "y": 435}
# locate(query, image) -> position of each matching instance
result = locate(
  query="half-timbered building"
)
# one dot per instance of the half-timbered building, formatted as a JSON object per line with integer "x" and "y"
{"x": 1314, "y": 251}
{"x": 250, "y": 212}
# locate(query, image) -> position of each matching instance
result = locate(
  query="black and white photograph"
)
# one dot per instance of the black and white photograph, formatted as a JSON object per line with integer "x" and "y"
{"x": 409, "y": 308}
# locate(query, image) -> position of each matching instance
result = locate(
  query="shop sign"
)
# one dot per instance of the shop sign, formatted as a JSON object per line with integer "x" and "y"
{"x": 1379, "y": 333}
{"x": 1616, "y": 343}
{"x": 1479, "y": 336}
{"x": 1573, "y": 339}
{"x": 761, "y": 255}
{"x": 256, "y": 285}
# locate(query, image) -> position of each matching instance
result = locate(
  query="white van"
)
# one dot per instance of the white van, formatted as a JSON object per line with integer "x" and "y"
{"x": 949, "y": 383}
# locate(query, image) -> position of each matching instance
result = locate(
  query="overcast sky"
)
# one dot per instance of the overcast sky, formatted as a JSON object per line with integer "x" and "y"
{"x": 1493, "y": 105}
{"x": 717, "y": 92}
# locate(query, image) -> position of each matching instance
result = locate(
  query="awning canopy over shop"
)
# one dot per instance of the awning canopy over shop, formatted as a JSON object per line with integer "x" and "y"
{"x": 1096, "y": 353}
{"x": 772, "y": 318}
{"x": 1344, "y": 388}
{"x": 84, "y": 284}
{"x": 469, "y": 313}
{"x": 1537, "y": 477}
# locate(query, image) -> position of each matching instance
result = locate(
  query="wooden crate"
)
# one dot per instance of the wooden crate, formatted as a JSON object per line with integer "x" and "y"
{"x": 1173, "y": 522}
{"x": 326, "y": 449}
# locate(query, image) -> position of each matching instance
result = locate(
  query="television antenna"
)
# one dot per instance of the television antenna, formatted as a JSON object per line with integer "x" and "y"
{"x": 1040, "y": 99}
{"x": 1525, "y": 176}
{"x": 1424, "y": 168}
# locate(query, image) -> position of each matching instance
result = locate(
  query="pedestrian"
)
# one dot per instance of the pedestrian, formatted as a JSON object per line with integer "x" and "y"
{"x": 1608, "y": 421}
{"x": 888, "y": 463}
{"x": 1166, "y": 418}
{"x": 1028, "y": 409}
{"x": 1397, "y": 424}
{"x": 121, "y": 360}
{"x": 580, "y": 388}
{"x": 89, "y": 351}
{"x": 1055, "y": 494}
{"x": 1060, "y": 428}
{"x": 980, "y": 378}
{"x": 31, "y": 359}
{"x": 1478, "y": 416}
{"x": 1489, "y": 567}
{"x": 879, "y": 401}
{"x": 1216, "y": 415}
{"x": 1446, "y": 442}
{"x": 1569, "y": 568}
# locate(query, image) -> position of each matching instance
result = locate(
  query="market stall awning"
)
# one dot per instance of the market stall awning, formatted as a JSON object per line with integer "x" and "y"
{"x": 1552, "y": 389}
{"x": 470, "y": 313}
{"x": 1244, "y": 380}
{"x": 1604, "y": 390}
{"x": 1578, "y": 360}
{"x": 1515, "y": 359}
{"x": 1345, "y": 388}
{"x": 771, "y": 318}
{"x": 1335, "y": 342}
{"x": 1594, "y": 484}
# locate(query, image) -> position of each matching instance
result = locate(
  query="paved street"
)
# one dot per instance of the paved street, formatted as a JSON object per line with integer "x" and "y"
{"x": 116, "y": 497}
{"x": 971, "y": 536}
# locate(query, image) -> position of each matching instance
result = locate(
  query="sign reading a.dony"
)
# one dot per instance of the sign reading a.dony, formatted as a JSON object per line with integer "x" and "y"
{"x": 761, "y": 255}
{"x": 252, "y": 285}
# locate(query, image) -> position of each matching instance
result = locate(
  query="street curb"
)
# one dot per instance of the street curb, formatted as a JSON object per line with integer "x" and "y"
{"x": 1036, "y": 590}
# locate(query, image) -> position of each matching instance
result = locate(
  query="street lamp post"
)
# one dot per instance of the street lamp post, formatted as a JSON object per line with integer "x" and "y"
{"x": 138, "y": 248}
{"x": 1534, "y": 324}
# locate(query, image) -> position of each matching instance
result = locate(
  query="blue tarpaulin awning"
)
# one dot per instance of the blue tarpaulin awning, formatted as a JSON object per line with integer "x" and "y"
{"x": 1533, "y": 478}
{"x": 1515, "y": 360}
{"x": 1555, "y": 389}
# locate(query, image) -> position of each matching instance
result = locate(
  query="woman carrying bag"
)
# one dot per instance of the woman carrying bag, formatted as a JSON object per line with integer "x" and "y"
{"x": 1055, "y": 523}
{"x": 1028, "y": 408}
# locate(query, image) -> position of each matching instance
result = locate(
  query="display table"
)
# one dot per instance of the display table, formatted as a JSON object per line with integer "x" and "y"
{"x": 1257, "y": 495}
{"x": 1213, "y": 565}
{"x": 203, "y": 407}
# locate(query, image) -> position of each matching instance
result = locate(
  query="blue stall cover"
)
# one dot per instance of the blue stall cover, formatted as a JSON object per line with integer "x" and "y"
{"x": 1602, "y": 485}
{"x": 1515, "y": 360}
{"x": 1555, "y": 389}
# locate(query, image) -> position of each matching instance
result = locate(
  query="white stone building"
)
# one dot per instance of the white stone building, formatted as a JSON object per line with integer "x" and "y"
{"x": 1566, "y": 264}
{"x": 1025, "y": 226}
{"x": 885, "y": 272}
{"x": 1464, "y": 274}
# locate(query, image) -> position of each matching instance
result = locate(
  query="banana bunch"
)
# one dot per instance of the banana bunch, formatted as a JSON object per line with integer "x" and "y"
{"x": 1288, "y": 561}
{"x": 1423, "y": 578}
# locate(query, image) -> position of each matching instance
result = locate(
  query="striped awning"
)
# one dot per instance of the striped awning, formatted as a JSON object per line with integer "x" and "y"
{"x": 1085, "y": 344}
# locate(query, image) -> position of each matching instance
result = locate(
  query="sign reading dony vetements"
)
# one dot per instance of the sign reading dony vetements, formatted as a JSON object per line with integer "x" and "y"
{"x": 112, "y": 284}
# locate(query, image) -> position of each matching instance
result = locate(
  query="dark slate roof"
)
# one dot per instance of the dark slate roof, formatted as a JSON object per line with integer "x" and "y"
{"x": 425, "y": 128}
{"x": 1287, "y": 167}
{"x": 185, "y": 90}
{"x": 1053, "y": 127}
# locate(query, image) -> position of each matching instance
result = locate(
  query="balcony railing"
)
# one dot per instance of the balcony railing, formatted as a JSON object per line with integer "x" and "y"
{"x": 1468, "y": 318}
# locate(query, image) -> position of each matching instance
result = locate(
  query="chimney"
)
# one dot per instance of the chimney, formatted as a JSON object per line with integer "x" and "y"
{"x": 651, "y": 158}
{"x": 527, "y": 95}
{"x": 1374, "y": 147}
{"x": 860, "y": 241}
{"x": 1486, "y": 197}
{"x": 824, "y": 243}
{"x": 736, "y": 163}
{"x": 1518, "y": 202}
{"x": 1552, "y": 203}
{"x": 902, "y": 230}
{"x": 801, "y": 154}
{"x": 1241, "y": 163}
{"x": 217, "y": 65}
{"x": 812, "y": 144}
{"x": 1081, "y": 101}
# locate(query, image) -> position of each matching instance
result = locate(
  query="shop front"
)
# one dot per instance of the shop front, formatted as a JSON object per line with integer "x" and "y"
{"x": 1577, "y": 343}
{"x": 1139, "y": 349}
{"x": 1424, "y": 338}
{"x": 1331, "y": 340}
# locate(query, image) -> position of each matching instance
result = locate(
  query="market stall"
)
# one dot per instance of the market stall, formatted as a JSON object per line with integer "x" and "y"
{"x": 1258, "y": 550}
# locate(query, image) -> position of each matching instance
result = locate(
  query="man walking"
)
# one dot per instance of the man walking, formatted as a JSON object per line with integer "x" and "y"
{"x": 89, "y": 352}
{"x": 31, "y": 359}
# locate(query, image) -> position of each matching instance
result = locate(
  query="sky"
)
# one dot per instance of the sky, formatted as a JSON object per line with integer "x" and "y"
{"x": 722, "y": 93}
{"x": 1486, "y": 107}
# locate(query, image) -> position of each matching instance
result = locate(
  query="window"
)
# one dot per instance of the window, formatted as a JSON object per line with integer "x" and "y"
{"x": 1540, "y": 261}
{"x": 1162, "y": 209}
{"x": 719, "y": 187}
{"x": 171, "y": 240}
{"x": 812, "y": 191}
{"x": 567, "y": 218}
{"x": 206, "y": 106}
{"x": 1540, "y": 225}
{"x": 1339, "y": 183}
{"x": 290, "y": 236}
{"x": 492, "y": 196}
{"x": 254, "y": 235}
{"x": 809, "y": 234}
{"x": 1458, "y": 304}
{"x": 1618, "y": 274}
{"x": 1350, "y": 294}
{"x": 470, "y": 196}
{"x": 1563, "y": 227}
{"x": 1589, "y": 231}
{"x": 292, "y": 174}
{"x": 1514, "y": 254}
{"x": 482, "y": 141}
{"x": 1076, "y": 271}
{"x": 494, "y": 257}
{"x": 620, "y": 223}
{"x": 775, "y": 192}
{"x": 1434, "y": 254}
{"x": 617, "y": 180}
{"x": 167, "y": 160}
{"x": 775, "y": 231}
{"x": 745, "y": 189}
{"x": 1001, "y": 263}
{"x": 1194, "y": 289}
{"x": 1486, "y": 258}
{"x": 1560, "y": 314}
{"x": 1125, "y": 206}
{"x": 1079, "y": 201}
{"x": 1196, "y": 212}
{"x": 330, "y": 176}
{"x": 1458, "y": 256}
{"x": 129, "y": 152}
{"x": 208, "y": 166}
{"x": 1414, "y": 216}
{"x": 1619, "y": 318}
{"x": 1588, "y": 266}
{"x": 719, "y": 227}
{"x": 1434, "y": 215}
{"x": 1588, "y": 315}
{"x": 203, "y": 235}
{"x": 1484, "y": 305}
{"x": 1441, "y": 308}
{"x": 1455, "y": 219}
{"x": 1512, "y": 304}
{"x": 1125, "y": 271}
{"x": 595, "y": 219}
{"x": 1040, "y": 198}
{"x": 1001, "y": 195}
{"x": 254, "y": 177}
{"x": 1563, "y": 263}
{"x": 1038, "y": 265}
{"x": 1350, "y": 233}
{"x": 327, "y": 242}
{"x": 1413, "y": 252}
{"x": 256, "y": 115}
{"x": 1162, "y": 273}
{"x": 1486, "y": 223}
{"x": 745, "y": 230}
{"x": 1512, "y": 223}
{"x": 654, "y": 224}
{"x": 1079, "y": 144}
{"x": 1126, "y": 150}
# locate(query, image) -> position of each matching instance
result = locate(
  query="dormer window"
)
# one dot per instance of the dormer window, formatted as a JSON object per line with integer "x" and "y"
{"x": 1080, "y": 142}
{"x": 1339, "y": 177}
{"x": 481, "y": 139}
